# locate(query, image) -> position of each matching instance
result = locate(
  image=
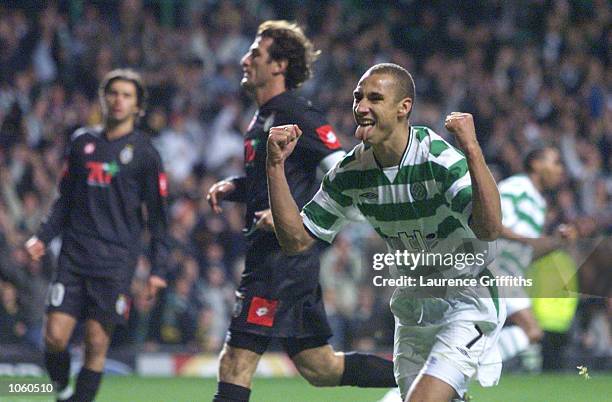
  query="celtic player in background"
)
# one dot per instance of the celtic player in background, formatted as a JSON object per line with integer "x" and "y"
{"x": 422, "y": 195}
{"x": 524, "y": 213}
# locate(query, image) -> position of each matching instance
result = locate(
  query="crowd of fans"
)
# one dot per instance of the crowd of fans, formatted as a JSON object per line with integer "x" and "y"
{"x": 531, "y": 71}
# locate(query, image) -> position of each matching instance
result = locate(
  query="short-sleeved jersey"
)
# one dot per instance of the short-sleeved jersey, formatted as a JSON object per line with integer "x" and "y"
{"x": 318, "y": 142}
{"x": 421, "y": 205}
{"x": 99, "y": 212}
{"x": 524, "y": 212}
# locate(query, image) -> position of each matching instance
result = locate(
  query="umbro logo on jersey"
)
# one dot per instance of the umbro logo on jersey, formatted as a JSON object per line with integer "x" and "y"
{"x": 369, "y": 195}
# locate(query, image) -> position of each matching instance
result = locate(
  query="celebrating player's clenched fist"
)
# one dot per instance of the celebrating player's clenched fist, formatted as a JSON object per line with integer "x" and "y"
{"x": 281, "y": 142}
{"x": 462, "y": 125}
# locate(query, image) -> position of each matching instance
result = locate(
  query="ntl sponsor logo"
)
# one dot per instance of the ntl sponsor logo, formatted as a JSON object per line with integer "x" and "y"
{"x": 101, "y": 174}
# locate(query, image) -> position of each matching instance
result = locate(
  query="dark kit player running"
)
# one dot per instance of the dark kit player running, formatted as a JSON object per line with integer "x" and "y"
{"x": 279, "y": 296}
{"x": 112, "y": 172}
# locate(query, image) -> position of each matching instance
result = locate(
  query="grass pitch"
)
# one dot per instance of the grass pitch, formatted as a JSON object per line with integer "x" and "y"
{"x": 512, "y": 388}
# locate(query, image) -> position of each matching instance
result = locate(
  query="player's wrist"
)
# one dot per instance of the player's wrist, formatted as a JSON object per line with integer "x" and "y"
{"x": 275, "y": 164}
{"x": 471, "y": 149}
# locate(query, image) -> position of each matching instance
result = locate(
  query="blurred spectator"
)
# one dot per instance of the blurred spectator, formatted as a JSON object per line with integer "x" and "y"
{"x": 178, "y": 315}
{"x": 12, "y": 326}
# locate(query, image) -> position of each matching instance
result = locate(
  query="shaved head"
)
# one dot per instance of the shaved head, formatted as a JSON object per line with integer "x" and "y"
{"x": 401, "y": 76}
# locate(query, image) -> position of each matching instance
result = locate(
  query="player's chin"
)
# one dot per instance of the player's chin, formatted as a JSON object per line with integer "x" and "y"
{"x": 246, "y": 84}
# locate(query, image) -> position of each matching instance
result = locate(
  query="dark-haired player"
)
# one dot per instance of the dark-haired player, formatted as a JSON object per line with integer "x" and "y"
{"x": 279, "y": 296}
{"x": 112, "y": 172}
{"x": 424, "y": 197}
{"x": 522, "y": 239}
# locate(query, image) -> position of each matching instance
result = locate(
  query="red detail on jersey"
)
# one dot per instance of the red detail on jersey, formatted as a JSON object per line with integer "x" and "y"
{"x": 262, "y": 311}
{"x": 163, "y": 185}
{"x": 328, "y": 137}
{"x": 249, "y": 151}
{"x": 97, "y": 175}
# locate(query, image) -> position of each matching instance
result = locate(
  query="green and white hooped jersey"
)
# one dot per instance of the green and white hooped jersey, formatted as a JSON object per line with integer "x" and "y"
{"x": 524, "y": 212}
{"x": 422, "y": 205}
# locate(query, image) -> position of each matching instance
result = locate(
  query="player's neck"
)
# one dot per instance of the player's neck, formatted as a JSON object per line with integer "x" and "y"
{"x": 390, "y": 152}
{"x": 267, "y": 92}
{"x": 537, "y": 183}
{"x": 116, "y": 130}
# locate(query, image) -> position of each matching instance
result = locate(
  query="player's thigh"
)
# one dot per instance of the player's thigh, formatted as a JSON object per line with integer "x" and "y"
{"x": 427, "y": 388}
{"x": 412, "y": 346}
{"x": 58, "y": 329}
{"x": 320, "y": 363}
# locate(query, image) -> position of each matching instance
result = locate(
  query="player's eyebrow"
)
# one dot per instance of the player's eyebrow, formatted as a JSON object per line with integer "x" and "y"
{"x": 375, "y": 95}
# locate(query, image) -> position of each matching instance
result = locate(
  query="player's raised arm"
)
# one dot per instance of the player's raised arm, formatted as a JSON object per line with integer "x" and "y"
{"x": 292, "y": 236}
{"x": 486, "y": 219}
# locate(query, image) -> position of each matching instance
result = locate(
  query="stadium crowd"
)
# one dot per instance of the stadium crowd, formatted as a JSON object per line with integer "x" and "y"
{"x": 531, "y": 71}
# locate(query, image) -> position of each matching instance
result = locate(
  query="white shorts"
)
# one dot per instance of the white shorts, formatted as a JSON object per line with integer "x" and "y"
{"x": 515, "y": 304}
{"x": 455, "y": 353}
{"x": 442, "y": 343}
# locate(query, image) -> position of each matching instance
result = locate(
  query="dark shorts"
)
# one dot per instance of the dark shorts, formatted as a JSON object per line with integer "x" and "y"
{"x": 258, "y": 344}
{"x": 299, "y": 324}
{"x": 285, "y": 318}
{"x": 106, "y": 300}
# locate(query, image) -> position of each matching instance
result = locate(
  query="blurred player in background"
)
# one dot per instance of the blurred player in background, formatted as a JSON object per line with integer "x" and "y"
{"x": 524, "y": 213}
{"x": 279, "y": 296}
{"x": 112, "y": 172}
{"x": 420, "y": 194}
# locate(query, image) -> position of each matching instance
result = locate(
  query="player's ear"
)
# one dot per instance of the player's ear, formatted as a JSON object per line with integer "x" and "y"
{"x": 404, "y": 107}
{"x": 280, "y": 66}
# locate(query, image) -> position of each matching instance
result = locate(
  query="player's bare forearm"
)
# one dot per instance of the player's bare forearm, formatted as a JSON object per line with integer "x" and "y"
{"x": 541, "y": 245}
{"x": 288, "y": 225}
{"x": 486, "y": 205}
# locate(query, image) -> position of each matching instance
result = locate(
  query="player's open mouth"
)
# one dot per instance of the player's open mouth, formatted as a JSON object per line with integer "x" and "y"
{"x": 365, "y": 123}
{"x": 364, "y": 127}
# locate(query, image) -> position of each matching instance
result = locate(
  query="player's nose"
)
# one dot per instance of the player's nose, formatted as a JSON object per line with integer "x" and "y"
{"x": 362, "y": 108}
{"x": 244, "y": 62}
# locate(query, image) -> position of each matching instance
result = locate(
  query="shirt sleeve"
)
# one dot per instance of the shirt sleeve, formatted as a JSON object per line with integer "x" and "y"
{"x": 52, "y": 224}
{"x": 239, "y": 194}
{"x": 510, "y": 217}
{"x": 319, "y": 140}
{"x": 450, "y": 170}
{"x": 329, "y": 210}
{"x": 156, "y": 203}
